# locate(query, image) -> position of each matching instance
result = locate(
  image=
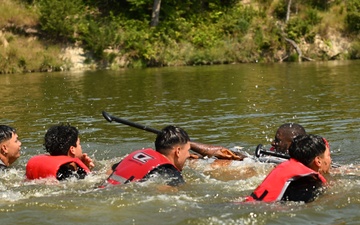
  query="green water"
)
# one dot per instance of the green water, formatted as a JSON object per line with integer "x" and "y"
{"x": 231, "y": 105}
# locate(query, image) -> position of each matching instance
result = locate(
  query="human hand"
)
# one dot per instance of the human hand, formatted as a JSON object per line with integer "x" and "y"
{"x": 87, "y": 161}
{"x": 228, "y": 154}
{"x": 195, "y": 156}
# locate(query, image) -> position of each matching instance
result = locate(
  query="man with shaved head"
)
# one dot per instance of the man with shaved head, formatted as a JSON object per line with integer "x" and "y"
{"x": 285, "y": 135}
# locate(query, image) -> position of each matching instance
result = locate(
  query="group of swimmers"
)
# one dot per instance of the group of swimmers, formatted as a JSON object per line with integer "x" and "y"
{"x": 298, "y": 179}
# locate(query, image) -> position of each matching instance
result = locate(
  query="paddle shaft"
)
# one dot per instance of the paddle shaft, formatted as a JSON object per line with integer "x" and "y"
{"x": 260, "y": 151}
{"x": 270, "y": 153}
{"x": 111, "y": 118}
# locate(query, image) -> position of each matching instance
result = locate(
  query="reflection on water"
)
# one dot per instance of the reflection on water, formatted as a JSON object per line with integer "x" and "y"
{"x": 231, "y": 105}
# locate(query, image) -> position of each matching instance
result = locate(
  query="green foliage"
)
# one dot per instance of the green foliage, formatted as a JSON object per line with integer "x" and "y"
{"x": 28, "y": 1}
{"x": 319, "y": 4}
{"x": 312, "y": 16}
{"x": 311, "y": 13}
{"x": 280, "y": 10}
{"x": 297, "y": 28}
{"x": 238, "y": 20}
{"x": 59, "y": 18}
{"x": 98, "y": 36}
{"x": 140, "y": 9}
{"x": 8, "y": 61}
{"x": 135, "y": 34}
{"x": 204, "y": 36}
{"x": 190, "y": 31}
{"x": 354, "y": 52}
{"x": 22, "y": 63}
{"x": 258, "y": 37}
{"x": 302, "y": 27}
{"x": 293, "y": 58}
{"x": 138, "y": 4}
{"x": 353, "y": 16}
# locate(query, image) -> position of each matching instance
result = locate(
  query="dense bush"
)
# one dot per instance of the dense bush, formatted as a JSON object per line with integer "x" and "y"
{"x": 280, "y": 10}
{"x": 353, "y": 16}
{"x": 298, "y": 27}
{"x": 355, "y": 51}
{"x": 96, "y": 36}
{"x": 190, "y": 31}
{"x": 319, "y": 4}
{"x": 59, "y": 18}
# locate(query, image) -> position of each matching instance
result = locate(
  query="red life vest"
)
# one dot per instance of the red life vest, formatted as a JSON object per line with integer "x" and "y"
{"x": 137, "y": 165}
{"x": 275, "y": 184}
{"x": 42, "y": 166}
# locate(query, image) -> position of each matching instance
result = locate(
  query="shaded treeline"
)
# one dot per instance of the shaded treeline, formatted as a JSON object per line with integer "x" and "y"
{"x": 145, "y": 33}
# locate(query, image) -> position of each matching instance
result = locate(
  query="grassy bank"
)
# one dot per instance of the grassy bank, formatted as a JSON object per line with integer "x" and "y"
{"x": 21, "y": 47}
{"x": 118, "y": 35}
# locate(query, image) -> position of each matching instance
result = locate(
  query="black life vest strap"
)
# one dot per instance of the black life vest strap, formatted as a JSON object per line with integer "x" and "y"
{"x": 261, "y": 196}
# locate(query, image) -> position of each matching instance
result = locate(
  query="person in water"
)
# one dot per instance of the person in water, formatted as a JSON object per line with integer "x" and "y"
{"x": 283, "y": 138}
{"x": 285, "y": 135}
{"x": 10, "y": 146}
{"x": 172, "y": 146}
{"x": 300, "y": 178}
{"x": 65, "y": 158}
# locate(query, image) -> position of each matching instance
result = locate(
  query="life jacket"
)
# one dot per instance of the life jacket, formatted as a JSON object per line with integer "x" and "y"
{"x": 137, "y": 165}
{"x": 42, "y": 166}
{"x": 275, "y": 184}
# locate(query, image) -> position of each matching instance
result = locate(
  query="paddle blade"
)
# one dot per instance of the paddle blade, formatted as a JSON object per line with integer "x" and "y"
{"x": 107, "y": 116}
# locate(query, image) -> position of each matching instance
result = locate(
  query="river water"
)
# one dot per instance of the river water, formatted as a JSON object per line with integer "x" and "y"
{"x": 231, "y": 105}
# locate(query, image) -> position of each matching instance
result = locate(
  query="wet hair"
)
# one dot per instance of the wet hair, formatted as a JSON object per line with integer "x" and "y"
{"x": 169, "y": 137}
{"x": 6, "y": 132}
{"x": 293, "y": 128}
{"x": 305, "y": 148}
{"x": 59, "y": 139}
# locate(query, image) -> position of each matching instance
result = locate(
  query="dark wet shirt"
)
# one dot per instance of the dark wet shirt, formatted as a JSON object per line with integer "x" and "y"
{"x": 169, "y": 172}
{"x": 68, "y": 171}
{"x": 304, "y": 189}
{"x": 2, "y": 165}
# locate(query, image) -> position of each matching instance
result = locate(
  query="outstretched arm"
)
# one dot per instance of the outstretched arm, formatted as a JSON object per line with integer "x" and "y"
{"x": 217, "y": 151}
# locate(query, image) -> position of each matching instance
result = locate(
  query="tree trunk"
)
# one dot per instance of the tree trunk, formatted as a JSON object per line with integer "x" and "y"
{"x": 292, "y": 42}
{"x": 288, "y": 11}
{"x": 298, "y": 50}
{"x": 155, "y": 13}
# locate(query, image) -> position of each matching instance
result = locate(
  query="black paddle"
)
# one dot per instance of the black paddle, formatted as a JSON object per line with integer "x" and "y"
{"x": 111, "y": 118}
{"x": 260, "y": 151}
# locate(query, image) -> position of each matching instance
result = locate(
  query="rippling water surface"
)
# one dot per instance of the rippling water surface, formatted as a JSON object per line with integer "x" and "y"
{"x": 230, "y": 105}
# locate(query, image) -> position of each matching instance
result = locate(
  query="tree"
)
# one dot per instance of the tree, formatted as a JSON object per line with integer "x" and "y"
{"x": 288, "y": 11}
{"x": 155, "y": 13}
{"x": 290, "y": 41}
